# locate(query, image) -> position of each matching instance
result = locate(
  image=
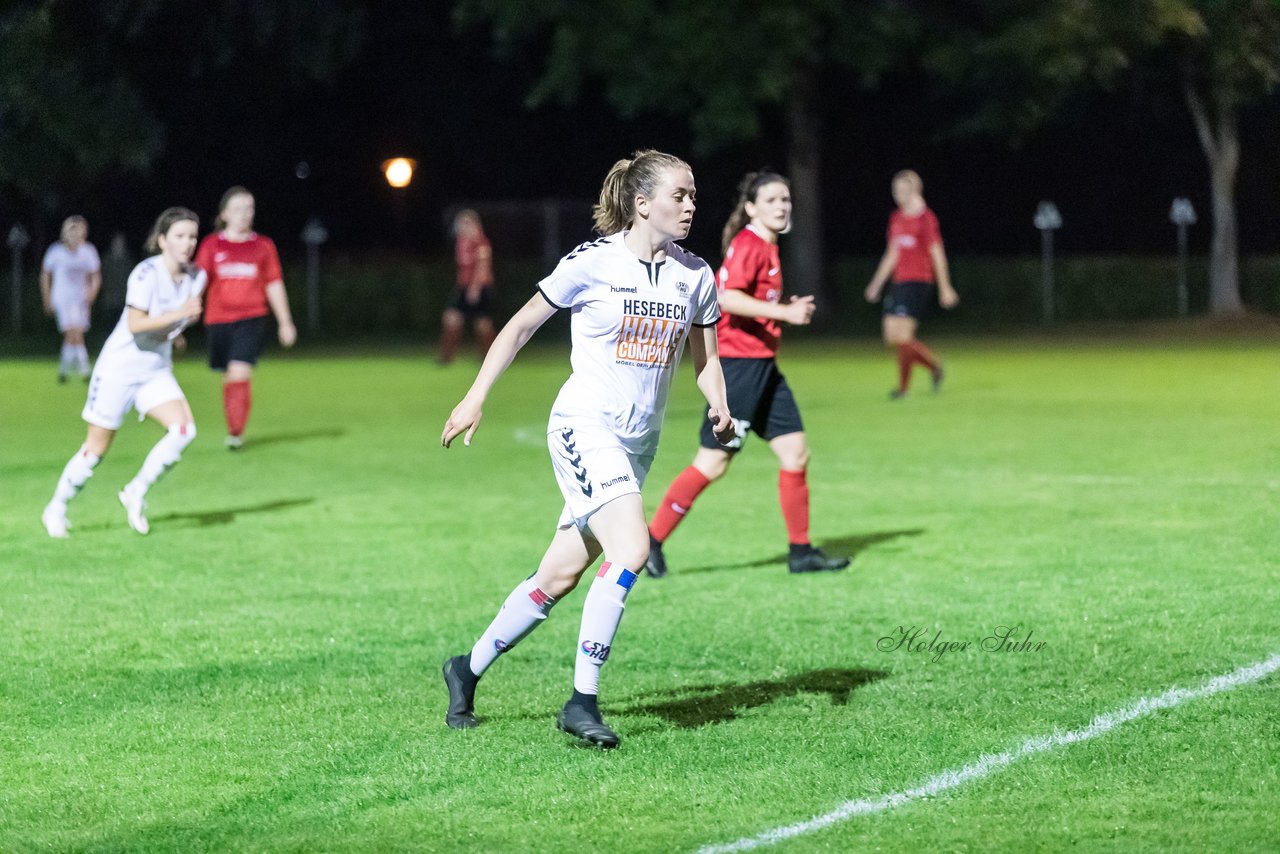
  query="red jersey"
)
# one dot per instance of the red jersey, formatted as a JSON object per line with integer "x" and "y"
{"x": 475, "y": 261}
{"x": 750, "y": 265}
{"x": 239, "y": 273}
{"x": 914, "y": 236}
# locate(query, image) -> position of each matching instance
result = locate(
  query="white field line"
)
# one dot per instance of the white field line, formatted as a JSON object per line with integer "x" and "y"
{"x": 989, "y": 763}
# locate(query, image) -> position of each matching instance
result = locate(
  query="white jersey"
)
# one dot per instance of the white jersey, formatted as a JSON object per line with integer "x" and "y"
{"x": 70, "y": 270}
{"x": 153, "y": 290}
{"x": 629, "y": 324}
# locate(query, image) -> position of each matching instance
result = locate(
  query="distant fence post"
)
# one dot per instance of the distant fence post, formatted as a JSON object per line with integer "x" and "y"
{"x": 1182, "y": 214}
{"x": 18, "y": 240}
{"x": 1047, "y": 220}
{"x": 314, "y": 235}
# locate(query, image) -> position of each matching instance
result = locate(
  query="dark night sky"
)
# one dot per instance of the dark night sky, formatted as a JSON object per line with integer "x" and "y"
{"x": 421, "y": 89}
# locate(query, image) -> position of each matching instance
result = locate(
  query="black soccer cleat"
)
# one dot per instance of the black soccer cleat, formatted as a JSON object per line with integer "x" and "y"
{"x": 462, "y": 693}
{"x": 656, "y": 564}
{"x": 815, "y": 560}
{"x": 897, "y": 394}
{"x": 586, "y": 726}
{"x": 938, "y": 375}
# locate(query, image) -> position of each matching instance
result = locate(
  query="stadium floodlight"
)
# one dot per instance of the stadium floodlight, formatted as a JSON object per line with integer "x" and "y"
{"x": 314, "y": 235}
{"x": 1047, "y": 220}
{"x": 1182, "y": 214}
{"x": 18, "y": 240}
{"x": 399, "y": 171}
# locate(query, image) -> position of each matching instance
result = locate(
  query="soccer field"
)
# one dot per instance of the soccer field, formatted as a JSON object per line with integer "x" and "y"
{"x": 262, "y": 672}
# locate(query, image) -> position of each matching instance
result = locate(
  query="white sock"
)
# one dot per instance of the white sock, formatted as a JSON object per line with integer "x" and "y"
{"x": 601, "y": 613}
{"x": 74, "y": 474}
{"x": 82, "y": 359}
{"x": 524, "y": 610}
{"x": 64, "y": 359}
{"x": 163, "y": 456}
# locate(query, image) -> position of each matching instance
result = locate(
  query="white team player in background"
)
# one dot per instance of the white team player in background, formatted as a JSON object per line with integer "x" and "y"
{"x": 635, "y": 296}
{"x": 135, "y": 370}
{"x": 70, "y": 278}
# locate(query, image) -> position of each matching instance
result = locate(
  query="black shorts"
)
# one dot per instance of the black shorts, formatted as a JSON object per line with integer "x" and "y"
{"x": 480, "y": 309}
{"x": 238, "y": 341}
{"x": 909, "y": 299}
{"x": 759, "y": 396}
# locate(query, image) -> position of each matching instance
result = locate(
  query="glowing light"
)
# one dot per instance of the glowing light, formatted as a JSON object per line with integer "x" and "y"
{"x": 399, "y": 171}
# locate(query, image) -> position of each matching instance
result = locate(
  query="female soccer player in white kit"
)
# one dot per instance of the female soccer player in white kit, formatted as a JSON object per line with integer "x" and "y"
{"x": 135, "y": 370}
{"x": 635, "y": 296}
{"x": 70, "y": 278}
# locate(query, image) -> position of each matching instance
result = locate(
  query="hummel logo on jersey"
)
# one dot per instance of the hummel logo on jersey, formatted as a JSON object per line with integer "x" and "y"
{"x": 614, "y": 289}
{"x": 621, "y": 479}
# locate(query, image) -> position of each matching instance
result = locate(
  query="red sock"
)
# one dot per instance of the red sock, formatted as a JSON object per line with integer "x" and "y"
{"x": 235, "y": 404}
{"x": 905, "y": 357}
{"x": 793, "y": 495}
{"x": 924, "y": 355}
{"x": 485, "y": 339}
{"x": 679, "y": 499}
{"x": 450, "y": 338}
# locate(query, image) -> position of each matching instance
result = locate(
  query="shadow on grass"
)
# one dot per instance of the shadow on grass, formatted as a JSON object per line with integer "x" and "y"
{"x": 204, "y": 518}
{"x": 848, "y": 546}
{"x": 713, "y": 704}
{"x": 299, "y": 436}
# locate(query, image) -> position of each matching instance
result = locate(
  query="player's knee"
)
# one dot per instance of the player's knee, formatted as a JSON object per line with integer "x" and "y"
{"x": 796, "y": 460}
{"x": 184, "y": 433}
{"x": 632, "y": 557}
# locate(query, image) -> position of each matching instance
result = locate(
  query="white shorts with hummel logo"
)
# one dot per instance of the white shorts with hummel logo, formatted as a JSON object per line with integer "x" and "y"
{"x": 592, "y": 468}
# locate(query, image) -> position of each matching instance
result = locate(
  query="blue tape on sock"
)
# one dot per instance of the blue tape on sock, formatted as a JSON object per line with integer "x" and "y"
{"x": 626, "y": 579}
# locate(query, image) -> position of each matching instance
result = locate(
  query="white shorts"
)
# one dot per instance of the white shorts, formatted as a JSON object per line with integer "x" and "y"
{"x": 110, "y": 399}
{"x": 71, "y": 314}
{"x": 592, "y": 468}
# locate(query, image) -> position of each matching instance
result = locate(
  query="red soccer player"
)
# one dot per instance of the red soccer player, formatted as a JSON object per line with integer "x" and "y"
{"x": 473, "y": 297}
{"x": 916, "y": 260}
{"x": 245, "y": 284}
{"x": 752, "y": 314}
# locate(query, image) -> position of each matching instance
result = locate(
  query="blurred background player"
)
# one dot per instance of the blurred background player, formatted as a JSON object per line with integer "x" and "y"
{"x": 635, "y": 296}
{"x": 245, "y": 283}
{"x": 752, "y": 311}
{"x": 916, "y": 260}
{"x": 135, "y": 370}
{"x": 70, "y": 278}
{"x": 473, "y": 297}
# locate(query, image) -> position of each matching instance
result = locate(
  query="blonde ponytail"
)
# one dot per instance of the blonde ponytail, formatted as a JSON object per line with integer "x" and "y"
{"x": 626, "y": 180}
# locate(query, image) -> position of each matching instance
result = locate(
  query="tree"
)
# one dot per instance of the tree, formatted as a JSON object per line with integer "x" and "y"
{"x": 721, "y": 63}
{"x": 1023, "y": 63}
{"x": 83, "y": 83}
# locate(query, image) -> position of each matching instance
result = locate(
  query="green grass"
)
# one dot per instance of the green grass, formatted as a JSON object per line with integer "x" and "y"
{"x": 260, "y": 673}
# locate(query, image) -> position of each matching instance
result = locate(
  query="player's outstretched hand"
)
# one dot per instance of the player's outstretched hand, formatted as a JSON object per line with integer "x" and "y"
{"x": 288, "y": 335}
{"x": 190, "y": 310}
{"x": 872, "y": 293}
{"x": 949, "y": 299}
{"x": 465, "y": 416}
{"x": 722, "y": 425}
{"x": 800, "y": 311}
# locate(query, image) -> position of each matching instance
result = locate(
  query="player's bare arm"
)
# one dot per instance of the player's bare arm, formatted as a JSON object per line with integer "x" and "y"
{"x": 466, "y": 415}
{"x": 710, "y": 378}
{"x": 883, "y": 271}
{"x": 797, "y": 312}
{"x": 947, "y": 296}
{"x": 140, "y": 321}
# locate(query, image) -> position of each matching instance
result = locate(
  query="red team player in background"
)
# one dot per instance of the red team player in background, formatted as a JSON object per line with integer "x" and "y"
{"x": 473, "y": 297}
{"x": 916, "y": 260}
{"x": 747, "y": 336}
{"x": 245, "y": 284}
